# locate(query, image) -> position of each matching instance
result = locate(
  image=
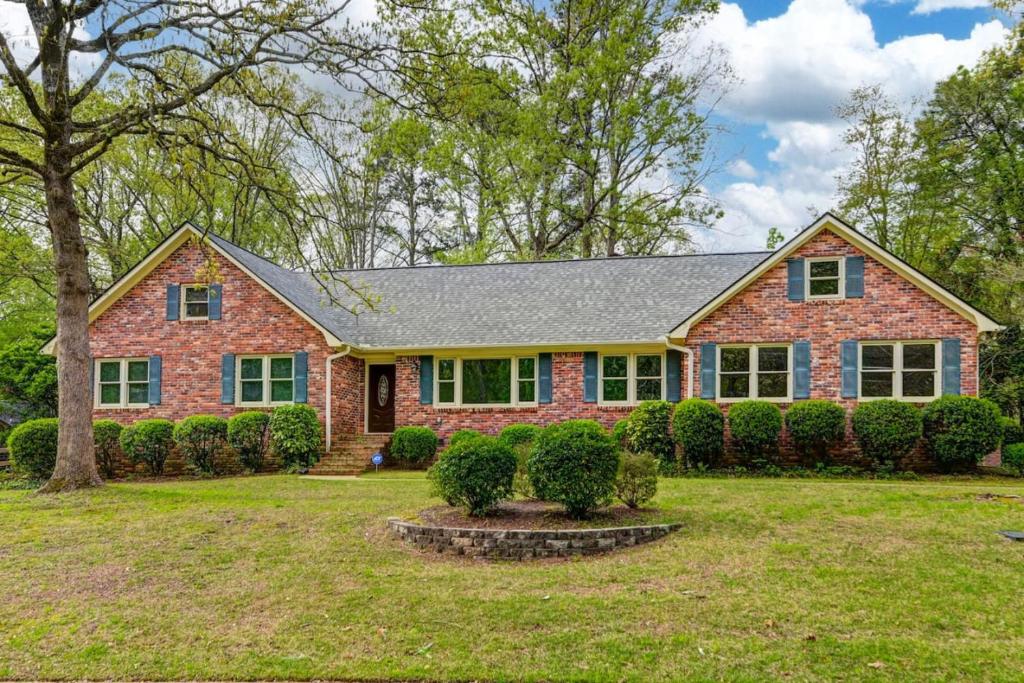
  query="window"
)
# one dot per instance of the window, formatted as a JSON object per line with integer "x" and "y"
{"x": 122, "y": 383}
{"x": 486, "y": 381}
{"x": 630, "y": 378}
{"x": 825, "y": 278}
{"x": 754, "y": 372}
{"x": 195, "y": 304}
{"x": 266, "y": 380}
{"x": 903, "y": 370}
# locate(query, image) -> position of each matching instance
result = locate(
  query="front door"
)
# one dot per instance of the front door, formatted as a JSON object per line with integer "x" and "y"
{"x": 381, "y": 399}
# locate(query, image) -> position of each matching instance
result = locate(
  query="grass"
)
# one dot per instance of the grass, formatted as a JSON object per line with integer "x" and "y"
{"x": 288, "y": 578}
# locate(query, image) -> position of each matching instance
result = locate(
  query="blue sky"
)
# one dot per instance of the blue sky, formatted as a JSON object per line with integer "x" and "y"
{"x": 794, "y": 61}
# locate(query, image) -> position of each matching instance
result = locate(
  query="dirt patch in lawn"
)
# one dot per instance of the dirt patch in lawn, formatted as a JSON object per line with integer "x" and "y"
{"x": 534, "y": 515}
{"x": 1000, "y": 497}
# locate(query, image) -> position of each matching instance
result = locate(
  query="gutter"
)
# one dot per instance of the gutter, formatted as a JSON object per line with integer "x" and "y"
{"x": 327, "y": 402}
{"x": 688, "y": 352}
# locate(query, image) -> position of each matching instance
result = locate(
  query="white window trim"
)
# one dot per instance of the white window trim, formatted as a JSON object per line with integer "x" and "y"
{"x": 840, "y": 293}
{"x": 265, "y": 378}
{"x": 897, "y": 361}
{"x": 184, "y": 299}
{"x": 631, "y": 378}
{"x": 513, "y": 378}
{"x": 122, "y": 382}
{"x": 753, "y": 372}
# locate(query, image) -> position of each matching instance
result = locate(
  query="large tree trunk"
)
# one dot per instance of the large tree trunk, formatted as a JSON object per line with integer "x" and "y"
{"x": 76, "y": 462}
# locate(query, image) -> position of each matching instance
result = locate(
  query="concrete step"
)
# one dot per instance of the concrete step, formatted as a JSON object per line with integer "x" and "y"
{"x": 349, "y": 454}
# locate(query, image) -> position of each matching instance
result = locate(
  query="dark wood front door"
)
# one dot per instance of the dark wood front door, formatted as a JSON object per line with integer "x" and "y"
{"x": 381, "y": 399}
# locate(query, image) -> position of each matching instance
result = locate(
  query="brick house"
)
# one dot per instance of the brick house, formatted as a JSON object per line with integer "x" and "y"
{"x": 830, "y": 315}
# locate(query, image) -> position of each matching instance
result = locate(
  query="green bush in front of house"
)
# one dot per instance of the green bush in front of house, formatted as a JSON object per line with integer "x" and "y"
{"x": 636, "y": 482}
{"x": 518, "y": 434}
{"x": 475, "y": 473}
{"x": 1013, "y": 458}
{"x": 647, "y": 430}
{"x": 815, "y": 426}
{"x": 33, "y": 447}
{"x": 886, "y": 430}
{"x": 462, "y": 434}
{"x": 574, "y": 463}
{"x": 249, "y": 435}
{"x": 699, "y": 428}
{"x": 413, "y": 444}
{"x": 619, "y": 431}
{"x": 199, "y": 439}
{"x": 959, "y": 431}
{"x": 106, "y": 438}
{"x": 295, "y": 435}
{"x": 1012, "y": 431}
{"x": 755, "y": 427}
{"x": 148, "y": 442}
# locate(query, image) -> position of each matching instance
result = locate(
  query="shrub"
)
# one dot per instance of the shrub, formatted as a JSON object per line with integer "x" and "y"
{"x": 515, "y": 435}
{"x": 414, "y": 444}
{"x": 886, "y": 430}
{"x": 462, "y": 434}
{"x": 149, "y": 442}
{"x": 1013, "y": 458}
{"x": 295, "y": 435}
{"x": 699, "y": 428}
{"x": 647, "y": 430}
{"x": 521, "y": 483}
{"x": 200, "y": 438}
{"x": 249, "y": 435}
{"x": 106, "y": 435}
{"x": 475, "y": 473}
{"x": 755, "y": 427}
{"x": 619, "y": 431}
{"x": 574, "y": 463}
{"x": 816, "y": 426}
{"x": 33, "y": 447}
{"x": 961, "y": 430}
{"x": 1012, "y": 431}
{"x": 637, "y": 478}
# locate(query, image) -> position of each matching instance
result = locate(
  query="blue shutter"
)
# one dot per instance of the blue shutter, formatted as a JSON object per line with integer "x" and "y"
{"x": 795, "y": 288}
{"x": 426, "y": 380}
{"x": 672, "y": 362}
{"x": 544, "y": 378}
{"x": 227, "y": 378}
{"x": 854, "y": 277}
{"x": 155, "y": 368}
{"x": 215, "y": 296}
{"x": 708, "y": 360}
{"x": 300, "y": 360}
{"x": 951, "y": 366}
{"x": 801, "y": 369}
{"x": 848, "y": 357}
{"x": 590, "y": 377}
{"x": 173, "y": 305}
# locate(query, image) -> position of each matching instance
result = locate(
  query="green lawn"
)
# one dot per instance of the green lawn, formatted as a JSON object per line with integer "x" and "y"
{"x": 281, "y": 577}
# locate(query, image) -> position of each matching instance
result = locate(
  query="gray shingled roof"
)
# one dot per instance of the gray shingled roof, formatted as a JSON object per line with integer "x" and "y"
{"x": 592, "y": 301}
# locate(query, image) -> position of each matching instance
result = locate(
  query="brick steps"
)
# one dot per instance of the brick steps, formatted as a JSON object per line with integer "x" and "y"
{"x": 349, "y": 454}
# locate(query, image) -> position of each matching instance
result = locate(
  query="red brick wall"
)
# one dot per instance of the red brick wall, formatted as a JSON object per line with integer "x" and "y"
{"x": 891, "y": 309}
{"x": 347, "y": 396}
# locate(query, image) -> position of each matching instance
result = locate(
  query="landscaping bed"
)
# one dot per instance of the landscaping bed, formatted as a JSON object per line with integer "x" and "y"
{"x": 535, "y": 514}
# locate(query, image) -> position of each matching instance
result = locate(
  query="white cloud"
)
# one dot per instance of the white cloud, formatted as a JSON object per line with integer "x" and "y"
{"x": 793, "y": 69}
{"x": 741, "y": 168}
{"x": 929, "y": 6}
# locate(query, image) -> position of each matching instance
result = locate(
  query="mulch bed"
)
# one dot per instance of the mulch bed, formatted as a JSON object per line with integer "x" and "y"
{"x": 535, "y": 514}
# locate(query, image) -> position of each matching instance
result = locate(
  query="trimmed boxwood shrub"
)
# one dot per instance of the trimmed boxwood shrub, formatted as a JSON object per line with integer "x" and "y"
{"x": 33, "y": 447}
{"x": 475, "y": 473}
{"x": 886, "y": 430}
{"x": 816, "y": 426}
{"x": 413, "y": 444}
{"x": 574, "y": 463}
{"x": 462, "y": 434}
{"x": 647, "y": 430}
{"x": 295, "y": 435}
{"x": 149, "y": 442}
{"x": 699, "y": 428}
{"x": 106, "y": 435}
{"x": 200, "y": 438}
{"x": 249, "y": 435}
{"x": 637, "y": 479}
{"x": 515, "y": 435}
{"x": 1012, "y": 431}
{"x": 619, "y": 431}
{"x": 755, "y": 427}
{"x": 961, "y": 430}
{"x": 1013, "y": 458}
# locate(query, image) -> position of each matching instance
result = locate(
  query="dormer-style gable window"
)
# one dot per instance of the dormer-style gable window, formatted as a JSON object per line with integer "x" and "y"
{"x": 195, "y": 304}
{"x": 825, "y": 278}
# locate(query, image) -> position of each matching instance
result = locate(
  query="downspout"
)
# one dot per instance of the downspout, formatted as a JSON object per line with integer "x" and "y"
{"x": 330, "y": 363}
{"x": 689, "y": 364}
